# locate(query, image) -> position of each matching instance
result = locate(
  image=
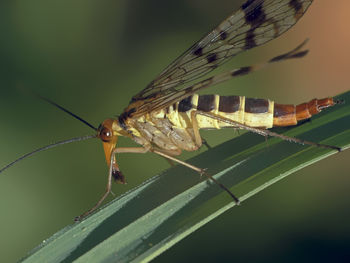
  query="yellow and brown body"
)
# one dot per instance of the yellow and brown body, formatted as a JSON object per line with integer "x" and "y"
{"x": 172, "y": 129}
{"x": 252, "y": 112}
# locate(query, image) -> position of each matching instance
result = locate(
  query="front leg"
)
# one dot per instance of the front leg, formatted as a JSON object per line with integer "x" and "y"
{"x": 113, "y": 172}
{"x": 116, "y": 173}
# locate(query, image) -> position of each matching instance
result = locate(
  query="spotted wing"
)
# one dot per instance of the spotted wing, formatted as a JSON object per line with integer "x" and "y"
{"x": 255, "y": 23}
{"x": 164, "y": 101}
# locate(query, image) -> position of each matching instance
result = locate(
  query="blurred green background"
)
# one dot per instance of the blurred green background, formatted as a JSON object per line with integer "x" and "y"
{"x": 92, "y": 56}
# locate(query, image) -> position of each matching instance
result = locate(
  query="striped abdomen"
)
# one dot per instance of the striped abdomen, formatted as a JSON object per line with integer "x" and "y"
{"x": 252, "y": 112}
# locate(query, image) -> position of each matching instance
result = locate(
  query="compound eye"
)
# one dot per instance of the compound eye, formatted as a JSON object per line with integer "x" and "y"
{"x": 106, "y": 134}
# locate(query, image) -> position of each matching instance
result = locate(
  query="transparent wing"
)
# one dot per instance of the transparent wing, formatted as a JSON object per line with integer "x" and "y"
{"x": 168, "y": 99}
{"x": 255, "y": 23}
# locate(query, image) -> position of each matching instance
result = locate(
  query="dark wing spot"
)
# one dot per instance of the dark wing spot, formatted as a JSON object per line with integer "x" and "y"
{"x": 278, "y": 58}
{"x": 198, "y": 51}
{"x": 296, "y": 5}
{"x": 223, "y": 35}
{"x": 288, "y": 56}
{"x": 256, "y": 16}
{"x": 211, "y": 57}
{"x": 242, "y": 71}
{"x": 250, "y": 40}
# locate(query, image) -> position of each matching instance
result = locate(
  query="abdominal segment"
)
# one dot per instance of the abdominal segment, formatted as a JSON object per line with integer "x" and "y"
{"x": 260, "y": 113}
{"x": 286, "y": 115}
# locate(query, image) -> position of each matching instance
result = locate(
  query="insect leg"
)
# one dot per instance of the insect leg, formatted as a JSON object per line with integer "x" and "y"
{"x": 109, "y": 180}
{"x": 198, "y": 139}
{"x": 266, "y": 133}
{"x": 172, "y": 153}
{"x": 200, "y": 171}
{"x": 197, "y": 136}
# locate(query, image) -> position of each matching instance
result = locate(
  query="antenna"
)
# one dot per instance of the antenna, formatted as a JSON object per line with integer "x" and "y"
{"x": 65, "y": 110}
{"x": 76, "y": 139}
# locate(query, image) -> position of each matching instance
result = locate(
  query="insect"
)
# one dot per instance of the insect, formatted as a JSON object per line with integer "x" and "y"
{"x": 166, "y": 116}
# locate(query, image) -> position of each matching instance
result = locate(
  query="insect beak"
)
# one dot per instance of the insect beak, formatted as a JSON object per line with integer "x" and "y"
{"x": 109, "y": 148}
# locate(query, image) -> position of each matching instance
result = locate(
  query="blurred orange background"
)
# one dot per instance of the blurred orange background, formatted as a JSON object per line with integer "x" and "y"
{"x": 92, "y": 56}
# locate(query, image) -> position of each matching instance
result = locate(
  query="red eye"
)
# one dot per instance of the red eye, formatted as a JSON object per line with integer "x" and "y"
{"x": 106, "y": 134}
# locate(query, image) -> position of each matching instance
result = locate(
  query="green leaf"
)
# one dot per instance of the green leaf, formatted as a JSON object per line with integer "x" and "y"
{"x": 151, "y": 218}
